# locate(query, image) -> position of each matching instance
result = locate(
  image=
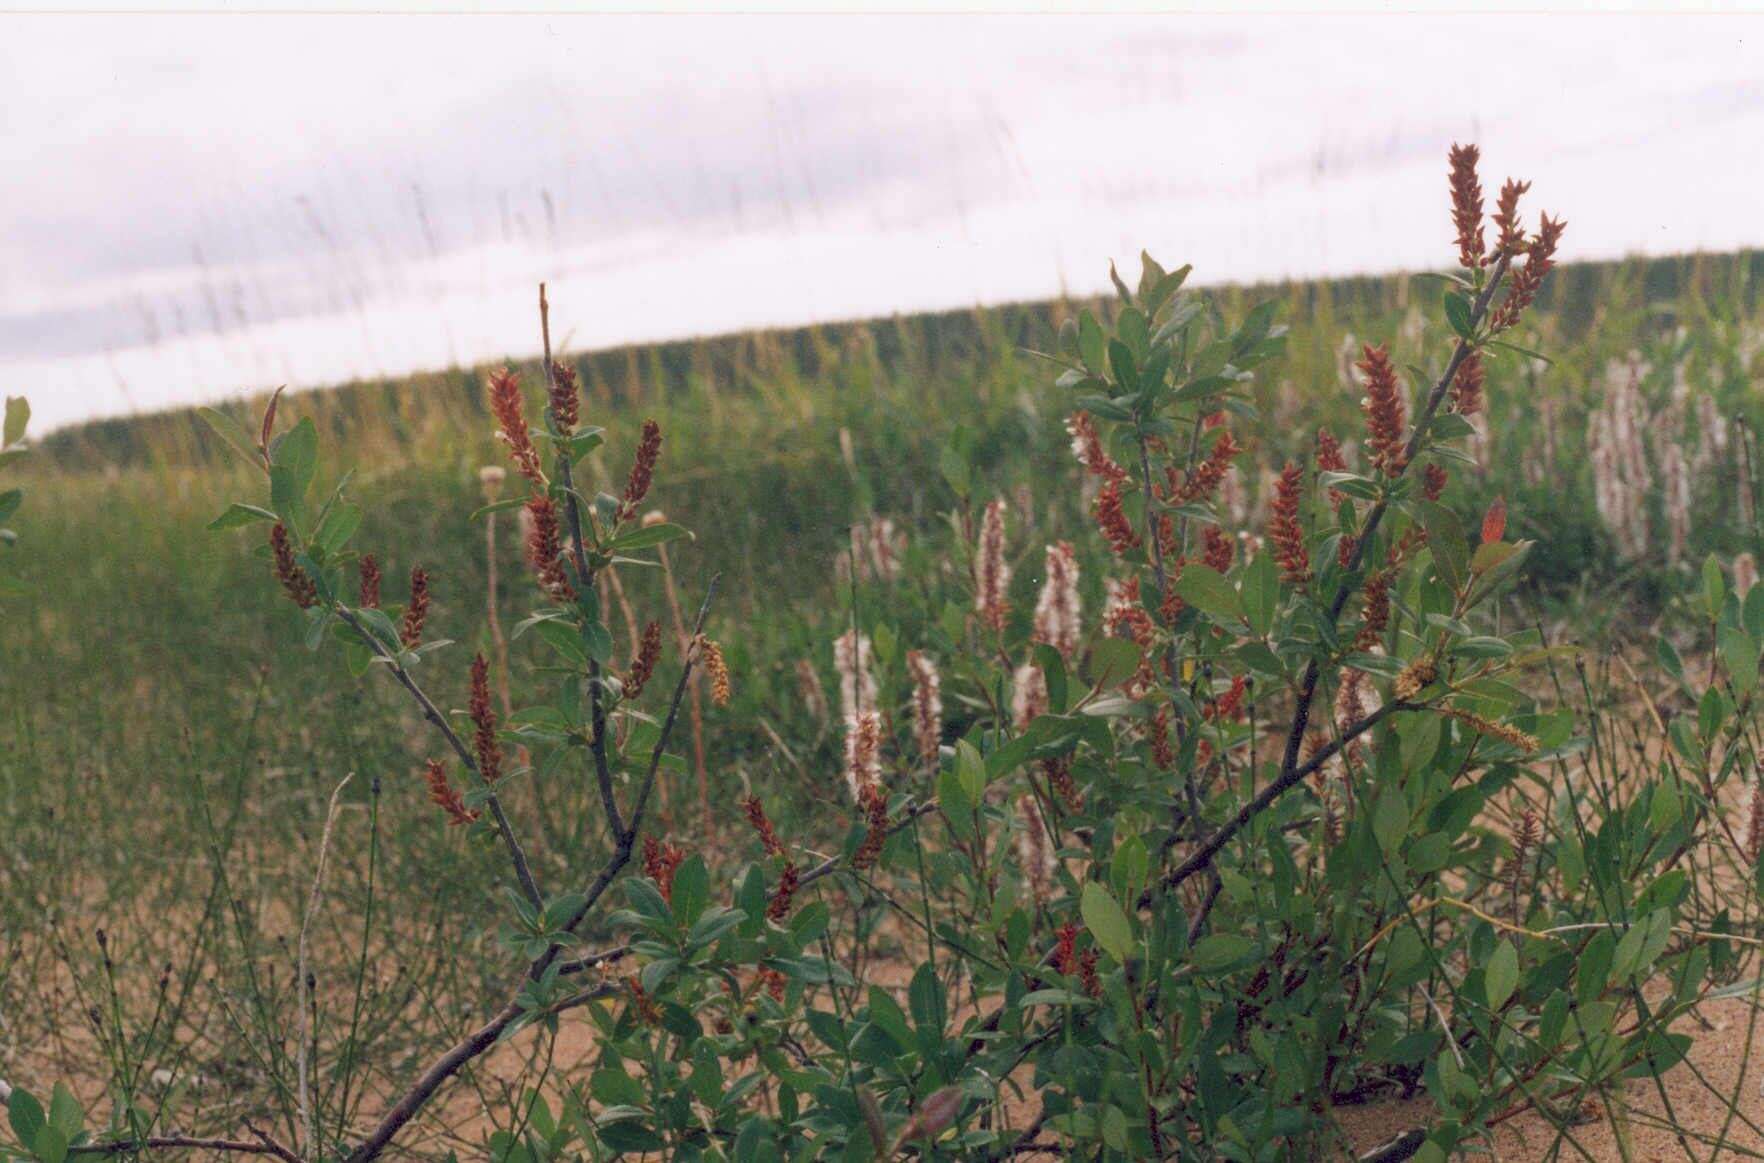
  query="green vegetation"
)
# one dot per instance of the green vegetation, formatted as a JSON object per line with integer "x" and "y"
{"x": 171, "y": 754}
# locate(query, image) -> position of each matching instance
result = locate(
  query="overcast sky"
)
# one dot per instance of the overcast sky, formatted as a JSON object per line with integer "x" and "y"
{"x": 202, "y": 205}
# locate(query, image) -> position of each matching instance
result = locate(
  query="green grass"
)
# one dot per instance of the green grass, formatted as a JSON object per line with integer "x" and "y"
{"x": 156, "y": 706}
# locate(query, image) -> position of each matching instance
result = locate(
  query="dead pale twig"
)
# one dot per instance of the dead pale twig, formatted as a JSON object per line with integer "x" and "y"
{"x": 303, "y": 1056}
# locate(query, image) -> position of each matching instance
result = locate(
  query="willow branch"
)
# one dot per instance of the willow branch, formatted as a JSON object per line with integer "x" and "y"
{"x": 585, "y": 584}
{"x": 1202, "y": 857}
{"x": 480, "y": 1040}
{"x": 1301, "y": 717}
{"x": 261, "y": 1145}
{"x": 1291, "y": 771}
{"x": 517, "y": 856}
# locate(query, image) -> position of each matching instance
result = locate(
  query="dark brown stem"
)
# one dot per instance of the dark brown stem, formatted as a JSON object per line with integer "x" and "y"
{"x": 261, "y": 1145}
{"x": 1202, "y": 857}
{"x": 439, "y": 1071}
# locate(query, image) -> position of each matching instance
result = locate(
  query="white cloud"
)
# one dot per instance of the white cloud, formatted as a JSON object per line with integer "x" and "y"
{"x": 202, "y": 205}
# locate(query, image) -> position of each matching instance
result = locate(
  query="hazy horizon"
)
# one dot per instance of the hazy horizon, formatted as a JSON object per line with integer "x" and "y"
{"x": 217, "y": 204}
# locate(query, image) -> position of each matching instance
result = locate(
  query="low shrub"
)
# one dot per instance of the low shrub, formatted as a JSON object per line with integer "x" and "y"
{"x": 1283, "y": 822}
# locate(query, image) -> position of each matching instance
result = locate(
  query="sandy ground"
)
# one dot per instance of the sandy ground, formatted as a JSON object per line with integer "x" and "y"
{"x": 1700, "y": 1104}
{"x": 1696, "y": 1093}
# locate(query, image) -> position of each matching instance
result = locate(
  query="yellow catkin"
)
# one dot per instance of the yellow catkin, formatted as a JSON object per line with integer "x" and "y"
{"x": 1505, "y": 732}
{"x": 718, "y": 669}
{"x": 1414, "y": 678}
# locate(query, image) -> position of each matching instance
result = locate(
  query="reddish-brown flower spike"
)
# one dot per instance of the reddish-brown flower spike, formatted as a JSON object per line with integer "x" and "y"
{"x": 1230, "y": 704}
{"x": 660, "y": 861}
{"x": 1058, "y": 772}
{"x": 773, "y": 982}
{"x": 294, "y": 579}
{"x": 1467, "y": 385}
{"x": 1111, "y": 518}
{"x": 443, "y": 794}
{"x": 1510, "y": 238}
{"x": 642, "y": 470}
{"x": 1158, "y": 733}
{"x": 1171, "y": 605}
{"x": 1065, "y": 952}
{"x": 1494, "y": 522}
{"x": 368, "y": 594}
{"x": 779, "y": 908}
{"x": 1345, "y": 548}
{"x": 485, "y": 745}
{"x": 545, "y": 549}
{"x": 1331, "y": 459}
{"x": 788, "y": 882}
{"x": 642, "y": 667}
{"x": 511, "y": 423}
{"x": 1219, "y": 549}
{"x": 1375, "y": 613}
{"x": 1167, "y": 535}
{"x": 564, "y": 400}
{"x": 410, "y": 631}
{"x": 1467, "y": 205}
{"x": 1201, "y": 483}
{"x": 1124, "y": 616}
{"x": 1433, "y": 481}
{"x": 1087, "y": 446}
{"x": 755, "y": 811}
{"x": 1528, "y": 279}
{"x": 1284, "y": 532}
{"x": 1087, "y": 973}
{"x": 875, "y": 805}
{"x": 1383, "y": 405}
{"x": 647, "y": 1011}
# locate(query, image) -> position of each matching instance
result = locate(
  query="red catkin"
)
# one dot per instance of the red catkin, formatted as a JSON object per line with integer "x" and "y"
{"x": 368, "y": 592}
{"x": 642, "y": 667}
{"x": 1467, "y": 205}
{"x": 485, "y": 745}
{"x": 642, "y": 470}
{"x": 294, "y": 579}
{"x": 444, "y": 795}
{"x": 410, "y": 630}
{"x": 511, "y": 423}
{"x": 1383, "y": 405}
{"x": 545, "y": 549}
{"x": 1284, "y": 532}
{"x": 564, "y": 399}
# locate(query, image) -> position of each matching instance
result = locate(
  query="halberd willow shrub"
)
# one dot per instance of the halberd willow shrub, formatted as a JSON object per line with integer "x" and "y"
{"x": 1261, "y": 838}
